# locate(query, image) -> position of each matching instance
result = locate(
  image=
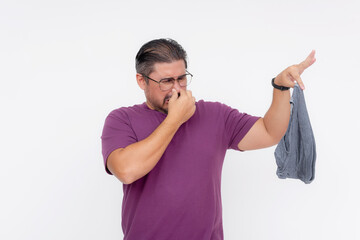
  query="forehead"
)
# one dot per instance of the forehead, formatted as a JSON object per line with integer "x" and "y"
{"x": 175, "y": 68}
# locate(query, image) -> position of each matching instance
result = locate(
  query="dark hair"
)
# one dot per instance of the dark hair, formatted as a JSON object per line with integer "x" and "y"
{"x": 158, "y": 51}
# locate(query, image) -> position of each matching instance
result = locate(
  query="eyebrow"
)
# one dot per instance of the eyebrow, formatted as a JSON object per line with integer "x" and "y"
{"x": 171, "y": 78}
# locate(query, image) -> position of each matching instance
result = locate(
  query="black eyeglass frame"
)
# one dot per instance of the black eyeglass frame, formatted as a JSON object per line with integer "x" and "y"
{"x": 187, "y": 73}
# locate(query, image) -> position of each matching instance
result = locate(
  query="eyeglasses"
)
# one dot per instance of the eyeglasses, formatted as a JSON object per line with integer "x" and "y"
{"x": 166, "y": 84}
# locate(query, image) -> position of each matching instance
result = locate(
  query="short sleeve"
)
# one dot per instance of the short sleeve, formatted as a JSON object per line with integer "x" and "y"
{"x": 237, "y": 125}
{"x": 117, "y": 133}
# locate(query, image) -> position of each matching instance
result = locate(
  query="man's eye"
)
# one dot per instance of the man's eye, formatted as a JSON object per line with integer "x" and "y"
{"x": 167, "y": 81}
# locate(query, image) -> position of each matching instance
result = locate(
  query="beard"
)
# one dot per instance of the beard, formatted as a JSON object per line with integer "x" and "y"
{"x": 161, "y": 106}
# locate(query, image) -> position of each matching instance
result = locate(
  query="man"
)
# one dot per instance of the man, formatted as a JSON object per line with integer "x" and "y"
{"x": 169, "y": 151}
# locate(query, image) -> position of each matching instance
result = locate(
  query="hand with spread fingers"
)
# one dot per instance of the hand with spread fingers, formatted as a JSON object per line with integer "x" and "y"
{"x": 291, "y": 74}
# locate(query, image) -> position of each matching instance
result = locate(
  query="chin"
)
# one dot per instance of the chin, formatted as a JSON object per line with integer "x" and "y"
{"x": 164, "y": 110}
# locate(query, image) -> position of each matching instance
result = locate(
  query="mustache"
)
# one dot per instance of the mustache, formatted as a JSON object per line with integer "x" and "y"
{"x": 169, "y": 96}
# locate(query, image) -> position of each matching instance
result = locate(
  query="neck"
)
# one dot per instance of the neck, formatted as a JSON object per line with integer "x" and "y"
{"x": 156, "y": 109}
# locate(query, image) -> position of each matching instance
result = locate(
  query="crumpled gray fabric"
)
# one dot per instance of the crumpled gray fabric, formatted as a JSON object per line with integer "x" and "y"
{"x": 296, "y": 152}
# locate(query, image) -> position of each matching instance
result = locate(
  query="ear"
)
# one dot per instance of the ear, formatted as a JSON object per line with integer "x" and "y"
{"x": 141, "y": 81}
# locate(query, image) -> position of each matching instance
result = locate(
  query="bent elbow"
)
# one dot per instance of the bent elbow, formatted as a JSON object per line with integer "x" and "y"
{"x": 116, "y": 166}
{"x": 126, "y": 180}
{"x": 123, "y": 176}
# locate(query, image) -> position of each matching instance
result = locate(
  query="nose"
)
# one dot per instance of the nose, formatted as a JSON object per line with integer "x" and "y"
{"x": 177, "y": 86}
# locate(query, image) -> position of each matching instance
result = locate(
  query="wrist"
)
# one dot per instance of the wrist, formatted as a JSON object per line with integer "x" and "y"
{"x": 172, "y": 121}
{"x": 281, "y": 88}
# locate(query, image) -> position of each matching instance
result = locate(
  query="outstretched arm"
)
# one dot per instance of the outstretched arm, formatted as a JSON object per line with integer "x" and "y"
{"x": 269, "y": 130}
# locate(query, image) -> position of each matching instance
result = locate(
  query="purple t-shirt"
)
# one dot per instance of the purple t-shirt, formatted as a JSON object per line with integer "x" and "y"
{"x": 180, "y": 198}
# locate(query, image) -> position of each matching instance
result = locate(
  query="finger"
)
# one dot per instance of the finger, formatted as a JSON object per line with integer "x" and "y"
{"x": 174, "y": 95}
{"x": 182, "y": 92}
{"x": 307, "y": 62}
{"x": 189, "y": 93}
{"x": 300, "y": 82}
{"x": 296, "y": 77}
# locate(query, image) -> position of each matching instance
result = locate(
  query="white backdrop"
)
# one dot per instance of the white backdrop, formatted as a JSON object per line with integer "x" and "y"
{"x": 64, "y": 65}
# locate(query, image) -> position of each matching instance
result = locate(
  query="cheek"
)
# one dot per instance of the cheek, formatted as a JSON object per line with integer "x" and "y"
{"x": 155, "y": 95}
{"x": 162, "y": 98}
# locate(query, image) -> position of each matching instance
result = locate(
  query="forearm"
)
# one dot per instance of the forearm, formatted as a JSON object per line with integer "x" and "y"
{"x": 138, "y": 159}
{"x": 277, "y": 118}
{"x": 269, "y": 130}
